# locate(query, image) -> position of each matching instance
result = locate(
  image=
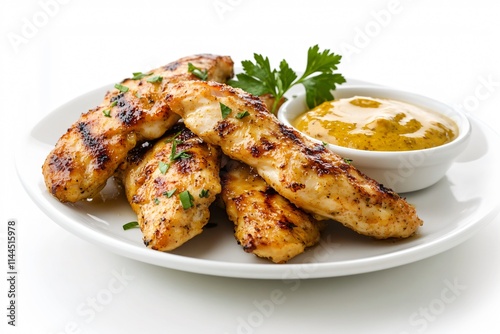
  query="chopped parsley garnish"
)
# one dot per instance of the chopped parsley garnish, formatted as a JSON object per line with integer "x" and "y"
{"x": 203, "y": 75}
{"x": 156, "y": 201}
{"x": 348, "y": 161}
{"x": 139, "y": 75}
{"x": 204, "y": 193}
{"x": 181, "y": 155}
{"x": 163, "y": 167}
{"x": 169, "y": 193}
{"x": 121, "y": 88}
{"x": 130, "y": 225}
{"x": 186, "y": 199}
{"x": 114, "y": 103}
{"x": 156, "y": 78}
{"x": 168, "y": 140}
{"x": 107, "y": 112}
{"x": 318, "y": 78}
{"x": 240, "y": 115}
{"x": 224, "y": 110}
{"x": 174, "y": 155}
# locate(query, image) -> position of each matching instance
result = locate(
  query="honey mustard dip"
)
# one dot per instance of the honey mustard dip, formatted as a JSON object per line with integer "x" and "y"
{"x": 376, "y": 124}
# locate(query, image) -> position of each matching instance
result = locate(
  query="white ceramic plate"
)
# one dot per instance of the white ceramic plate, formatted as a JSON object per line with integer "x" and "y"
{"x": 453, "y": 209}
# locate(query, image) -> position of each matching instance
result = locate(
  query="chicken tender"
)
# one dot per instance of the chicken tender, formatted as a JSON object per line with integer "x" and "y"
{"x": 171, "y": 186}
{"x": 265, "y": 223}
{"x": 307, "y": 174}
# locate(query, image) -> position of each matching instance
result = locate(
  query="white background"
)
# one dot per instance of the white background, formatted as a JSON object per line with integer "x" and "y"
{"x": 443, "y": 49}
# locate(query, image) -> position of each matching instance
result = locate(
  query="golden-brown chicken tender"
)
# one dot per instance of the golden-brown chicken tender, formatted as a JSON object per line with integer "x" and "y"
{"x": 265, "y": 223}
{"x": 170, "y": 187}
{"x": 307, "y": 174}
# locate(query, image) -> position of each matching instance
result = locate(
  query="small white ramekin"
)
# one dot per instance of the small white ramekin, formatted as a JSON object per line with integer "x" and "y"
{"x": 402, "y": 171}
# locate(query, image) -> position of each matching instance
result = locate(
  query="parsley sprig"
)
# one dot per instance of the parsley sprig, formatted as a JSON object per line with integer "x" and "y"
{"x": 318, "y": 78}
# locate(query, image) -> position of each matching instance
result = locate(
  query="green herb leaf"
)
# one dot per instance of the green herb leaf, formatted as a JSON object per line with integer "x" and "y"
{"x": 249, "y": 84}
{"x": 107, "y": 112}
{"x": 139, "y": 75}
{"x": 114, "y": 103}
{"x": 204, "y": 193}
{"x": 121, "y": 88}
{"x": 225, "y": 110}
{"x": 168, "y": 140}
{"x": 169, "y": 193}
{"x": 181, "y": 155}
{"x": 186, "y": 199}
{"x": 163, "y": 167}
{"x": 240, "y": 115}
{"x": 348, "y": 161}
{"x": 319, "y": 87}
{"x": 174, "y": 149}
{"x": 318, "y": 78}
{"x": 203, "y": 75}
{"x": 156, "y": 78}
{"x": 174, "y": 155}
{"x": 130, "y": 225}
{"x": 156, "y": 201}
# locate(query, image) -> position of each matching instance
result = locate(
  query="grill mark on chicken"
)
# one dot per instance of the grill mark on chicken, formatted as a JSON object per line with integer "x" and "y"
{"x": 137, "y": 153}
{"x": 265, "y": 146}
{"x": 94, "y": 144}
{"x": 295, "y": 186}
{"x": 224, "y": 128}
{"x": 160, "y": 186}
{"x": 249, "y": 245}
{"x": 184, "y": 165}
{"x": 286, "y": 224}
{"x": 127, "y": 112}
{"x": 171, "y": 67}
{"x": 184, "y": 136}
{"x": 312, "y": 152}
{"x": 270, "y": 195}
{"x": 61, "y": 166}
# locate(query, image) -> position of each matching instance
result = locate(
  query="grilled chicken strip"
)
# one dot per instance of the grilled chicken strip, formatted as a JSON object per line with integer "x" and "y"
{"x": 162, "y": 182}
{"x": 93, "y": 147}
{"x": 265, "y": 223}
{"x": 307, "y": 174}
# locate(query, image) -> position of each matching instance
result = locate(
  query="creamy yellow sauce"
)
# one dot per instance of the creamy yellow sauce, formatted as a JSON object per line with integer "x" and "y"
{"x": 377, "y": 125}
